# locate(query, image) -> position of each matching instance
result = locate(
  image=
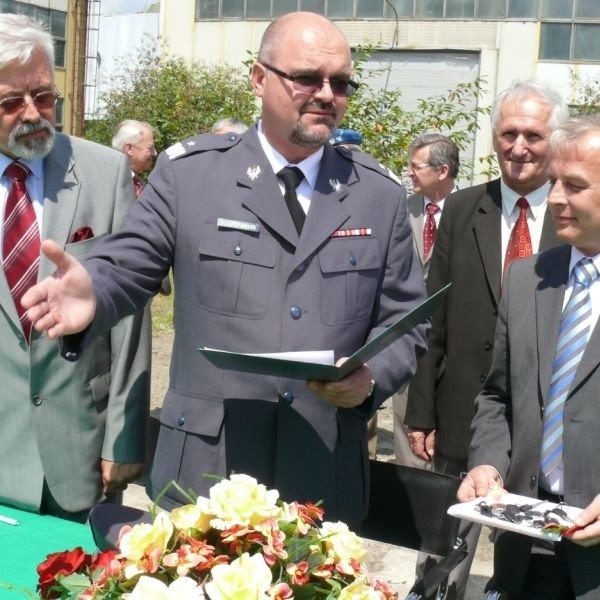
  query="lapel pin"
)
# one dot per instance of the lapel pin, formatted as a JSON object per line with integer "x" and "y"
{"x": 336, "y": 186}
{"x": 253, "y": 172}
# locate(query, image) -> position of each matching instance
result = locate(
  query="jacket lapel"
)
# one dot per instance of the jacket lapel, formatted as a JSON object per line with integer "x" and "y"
{"x": 487, "y": 230}
{"x": 61, "y": 193}
{"x": 416, "y": 218}
{"x": 548, "y": 302}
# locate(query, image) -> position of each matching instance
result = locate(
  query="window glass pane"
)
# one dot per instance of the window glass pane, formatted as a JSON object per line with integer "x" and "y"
{"x": 587, "y": 9}
{"x": 491, "y": 9}
{"x": 523, "y": 9}
{"x": 587, "y": 42}
{"x": 207, "y": 9}
{"x": 43, "y": 15}
{"x": 557, "y": 9}
{"x": 232, "y": 8}
{"x": 369, "y": 8}
{"x": 339, "y": 8}
{"x": 404, "y": 8}
{"x": 58, "y": 25}
{"x": 555, "y": 41}
{"x": 460, "y": 8}
{"x": 258, "y": 9}
{"x": 429, "y": 8}
{"x": 59, "y": 113}
{"x": 26, "y": 9}
{"x": 283, "y": 7}
{"x": 59, "y": 53}
{"x": 316, "y": 6}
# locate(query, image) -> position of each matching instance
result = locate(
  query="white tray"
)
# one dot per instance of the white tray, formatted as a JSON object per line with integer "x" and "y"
{"x": 466, "y": 510}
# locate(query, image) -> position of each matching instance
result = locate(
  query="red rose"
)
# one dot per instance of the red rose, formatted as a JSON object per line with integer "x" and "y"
{"x": 59, "y": 563}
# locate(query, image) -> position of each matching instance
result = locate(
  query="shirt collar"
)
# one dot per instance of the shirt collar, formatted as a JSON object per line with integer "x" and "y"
{"x": 536, "y": 199}
{"x": 309, "y": 166}
{"x": 36, "y": 166}
{"x": 577, "y": 255}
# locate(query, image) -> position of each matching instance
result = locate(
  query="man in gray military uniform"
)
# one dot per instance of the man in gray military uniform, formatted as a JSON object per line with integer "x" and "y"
{"x": 248, "y": 278}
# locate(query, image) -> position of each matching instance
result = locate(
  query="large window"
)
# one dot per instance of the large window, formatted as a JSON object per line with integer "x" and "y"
{"x": 55, "y": 20}
{"x": 372, "y": 9}
{"x": 570, "y": 30}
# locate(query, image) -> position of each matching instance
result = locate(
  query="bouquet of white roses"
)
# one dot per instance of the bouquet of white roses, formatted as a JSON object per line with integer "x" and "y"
{"x": 240, "y": 543}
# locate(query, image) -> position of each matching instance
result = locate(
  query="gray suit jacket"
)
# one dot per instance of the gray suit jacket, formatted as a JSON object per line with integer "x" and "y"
{"x": 507, "y": 428}
{"x": 59, "y": 418}
{"x": 416, "y": 218}
{"x": 468, "y": 254}
{"x": 245, "y": 281}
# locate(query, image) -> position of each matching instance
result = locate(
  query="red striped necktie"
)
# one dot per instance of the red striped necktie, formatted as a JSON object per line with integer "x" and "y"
{"x": 21, "y": 240}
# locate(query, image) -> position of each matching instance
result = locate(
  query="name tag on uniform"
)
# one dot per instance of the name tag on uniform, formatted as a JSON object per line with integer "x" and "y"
{"x": 357, "y": 232}
{"x": 239, "y": 225}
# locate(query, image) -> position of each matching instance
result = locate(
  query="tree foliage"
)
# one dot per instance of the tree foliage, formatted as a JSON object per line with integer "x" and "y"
{"x": 179, "y": 98}
{"x": 388, "y": 128}
{"x": 586, "y": 94}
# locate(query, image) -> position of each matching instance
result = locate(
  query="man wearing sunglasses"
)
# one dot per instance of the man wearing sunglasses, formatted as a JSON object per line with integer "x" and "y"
{"x": 252, "y": 275}
{"x": 70, "y": 433}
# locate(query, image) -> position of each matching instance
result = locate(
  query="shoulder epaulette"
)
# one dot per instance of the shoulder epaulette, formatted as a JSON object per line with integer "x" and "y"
{"x": 369, "y": 162}
{"x": 202, "y": 143}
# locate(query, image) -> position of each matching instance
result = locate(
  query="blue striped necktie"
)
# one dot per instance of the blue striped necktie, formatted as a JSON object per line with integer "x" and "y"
{"x": 572, "y": 339}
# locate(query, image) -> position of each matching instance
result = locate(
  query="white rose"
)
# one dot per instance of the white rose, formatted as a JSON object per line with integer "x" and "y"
{"x": 246, "y": 578}
{"x": 240, "y": 500}
{"x": 342, "y": 543}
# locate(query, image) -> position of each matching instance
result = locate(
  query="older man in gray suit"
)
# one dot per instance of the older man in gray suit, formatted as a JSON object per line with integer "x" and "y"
{"x": 69, "y": 433}
{"x": 250, "y": 276}
{"x": 535, "y": 431}
{"x": 433, "y": 168}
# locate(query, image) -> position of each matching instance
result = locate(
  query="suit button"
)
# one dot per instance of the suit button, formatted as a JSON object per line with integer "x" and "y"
{"x": 232, "y": 137}
{"x": 296, "y": 312}
{"x": 483, "y": 378}
{"x": 37, "y": 400}
{"x": 287, "y": 397}
{"x": 533, "y": 481}
{"x": 353, "y": 260}
{"x": 181, "y": 421}
{"x": 237, "y": 250}
{"x": 301, "y": 267}
{"x": 489, "y": 345}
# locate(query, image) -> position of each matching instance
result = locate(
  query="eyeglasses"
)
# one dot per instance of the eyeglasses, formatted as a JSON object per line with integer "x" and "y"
{"x": 309, "y": 84}
{"x": 41, "y": 100}
{"x": 419, "y": 166}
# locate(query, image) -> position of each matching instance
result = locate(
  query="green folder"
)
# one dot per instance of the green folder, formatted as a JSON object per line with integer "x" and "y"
{"x": 295, "y": 369}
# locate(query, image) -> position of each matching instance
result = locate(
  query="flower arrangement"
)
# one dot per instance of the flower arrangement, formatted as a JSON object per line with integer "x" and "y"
{"x": 240, "y": 543}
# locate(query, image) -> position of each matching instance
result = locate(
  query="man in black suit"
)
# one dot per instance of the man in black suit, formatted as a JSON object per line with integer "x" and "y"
{"x": 470, "y": 252}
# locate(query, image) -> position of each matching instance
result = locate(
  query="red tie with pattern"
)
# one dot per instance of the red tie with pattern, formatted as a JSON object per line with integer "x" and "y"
{"x": 519, "y": 243}
{"x": 21, "y": 240}
{"x": 430, "y": 229}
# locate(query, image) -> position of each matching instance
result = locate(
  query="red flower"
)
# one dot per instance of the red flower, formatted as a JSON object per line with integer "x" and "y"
{"x": 60, "y": 563}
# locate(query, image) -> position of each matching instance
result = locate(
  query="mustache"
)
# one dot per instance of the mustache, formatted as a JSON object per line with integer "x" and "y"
{"x": 315, "y": 105}
{"x": 27, "y": 128}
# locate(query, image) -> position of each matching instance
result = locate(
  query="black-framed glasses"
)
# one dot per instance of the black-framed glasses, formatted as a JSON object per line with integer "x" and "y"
{"x": 42, "y": 101}
{"x": 309, "y": 84}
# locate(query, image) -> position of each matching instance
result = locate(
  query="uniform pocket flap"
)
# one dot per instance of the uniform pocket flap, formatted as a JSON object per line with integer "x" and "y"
{"x": 193, "y": 414}
{"x": 237, "y": 245}
{"x": 345, "y": 255}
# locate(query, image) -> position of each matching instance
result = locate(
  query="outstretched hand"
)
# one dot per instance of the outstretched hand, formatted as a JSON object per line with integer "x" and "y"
{"x": 65, "y": 302}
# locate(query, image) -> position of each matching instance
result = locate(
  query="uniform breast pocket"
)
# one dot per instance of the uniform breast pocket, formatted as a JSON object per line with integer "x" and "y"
{"x": 350, "y": 275}
{"x": 235, "y": 271}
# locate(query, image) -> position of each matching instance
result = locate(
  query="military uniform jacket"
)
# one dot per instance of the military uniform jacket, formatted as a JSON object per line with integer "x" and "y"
{"x": 245, "y": 282}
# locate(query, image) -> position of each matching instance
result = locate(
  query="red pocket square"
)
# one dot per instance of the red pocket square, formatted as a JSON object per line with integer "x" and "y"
{"x": 83, "y": 233}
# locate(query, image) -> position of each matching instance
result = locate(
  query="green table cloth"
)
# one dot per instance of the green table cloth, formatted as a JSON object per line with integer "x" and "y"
{"x": 24, "y": 546}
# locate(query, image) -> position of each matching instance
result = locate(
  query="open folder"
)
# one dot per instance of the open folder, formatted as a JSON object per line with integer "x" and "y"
{"x": 285, "y": 365}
